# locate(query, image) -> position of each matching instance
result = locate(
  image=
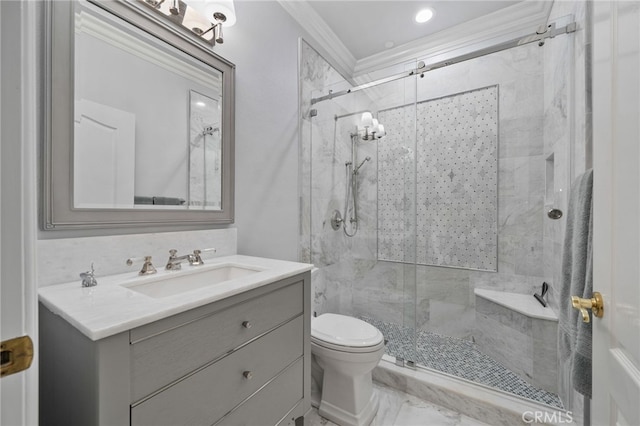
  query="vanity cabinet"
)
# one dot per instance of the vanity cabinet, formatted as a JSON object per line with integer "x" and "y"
{"x": 244, "y": 360}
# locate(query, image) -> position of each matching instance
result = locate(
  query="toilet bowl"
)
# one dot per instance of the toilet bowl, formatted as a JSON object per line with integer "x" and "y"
{"x": 345, "y": 351}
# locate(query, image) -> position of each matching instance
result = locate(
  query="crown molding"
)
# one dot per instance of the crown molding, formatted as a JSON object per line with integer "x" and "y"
{"x": 326, "y": 40}
{"x": 511, "y": 22}
{"x": 102, "y": 30}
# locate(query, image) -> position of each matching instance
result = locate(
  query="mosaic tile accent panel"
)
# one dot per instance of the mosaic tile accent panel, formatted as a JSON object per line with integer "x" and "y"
{"x": 457, "y": 179}
{"x": 458, "y": 357}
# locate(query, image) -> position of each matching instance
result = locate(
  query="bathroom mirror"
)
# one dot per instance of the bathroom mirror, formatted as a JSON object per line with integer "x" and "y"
{"x": 140, "y": 127}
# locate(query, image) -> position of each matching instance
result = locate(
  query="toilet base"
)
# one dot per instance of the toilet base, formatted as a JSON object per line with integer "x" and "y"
{"x": 345, "y": 418}
{"x": 345, "y": 400}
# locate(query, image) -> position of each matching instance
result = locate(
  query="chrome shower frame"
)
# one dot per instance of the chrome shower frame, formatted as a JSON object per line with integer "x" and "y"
{"x": 540, "y": 36}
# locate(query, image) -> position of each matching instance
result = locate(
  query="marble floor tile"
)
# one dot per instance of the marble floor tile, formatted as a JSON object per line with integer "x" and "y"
{"x": 421, "y": 413}
{"x": 458, "y": 357}
{"x": 400, "y": 409}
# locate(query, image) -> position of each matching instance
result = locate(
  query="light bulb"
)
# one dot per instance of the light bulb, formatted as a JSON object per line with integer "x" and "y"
{"x": 208, "y": 7}
{"x": 366, "y": 119}
{"x": 224, "y": 7}
{"x": 424, "y": 15}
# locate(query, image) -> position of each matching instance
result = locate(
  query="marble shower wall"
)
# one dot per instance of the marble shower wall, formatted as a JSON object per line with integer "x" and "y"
{"x": 325, "y": 148}
{"x": 350, "y": 279}
{"x": 456, "y": 193}
{"x": 444, "y": 299}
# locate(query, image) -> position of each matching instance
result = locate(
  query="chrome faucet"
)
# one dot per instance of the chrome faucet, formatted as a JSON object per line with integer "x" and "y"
{"x": 147, "y": 267}
{"x": 174, "y": 262}
{"x": 88, "y": 278}
{"x": 197, "y": 259}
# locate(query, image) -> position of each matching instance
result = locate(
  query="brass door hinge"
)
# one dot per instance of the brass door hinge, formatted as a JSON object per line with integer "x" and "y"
{"x": 15, "y": 355}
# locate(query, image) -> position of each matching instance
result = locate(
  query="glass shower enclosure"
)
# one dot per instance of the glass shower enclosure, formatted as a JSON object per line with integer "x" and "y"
{"x": 447, "y": 213}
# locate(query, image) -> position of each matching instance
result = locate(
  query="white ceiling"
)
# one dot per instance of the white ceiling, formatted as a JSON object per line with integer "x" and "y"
{"x": 365, "y": 26}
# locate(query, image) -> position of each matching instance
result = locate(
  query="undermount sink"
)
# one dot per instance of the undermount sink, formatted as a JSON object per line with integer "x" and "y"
{"x": 181, "y": 281}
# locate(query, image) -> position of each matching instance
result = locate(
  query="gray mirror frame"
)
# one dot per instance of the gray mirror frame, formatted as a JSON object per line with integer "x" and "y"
{"x": 57, "y": 178}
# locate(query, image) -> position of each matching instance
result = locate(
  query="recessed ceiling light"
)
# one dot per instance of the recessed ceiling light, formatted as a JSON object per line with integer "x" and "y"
{"x": 424, "y": 15}
{"x": 389, "y": 44}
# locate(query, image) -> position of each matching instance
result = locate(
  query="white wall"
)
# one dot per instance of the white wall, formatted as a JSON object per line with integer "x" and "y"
{"x": 264, "y": 46}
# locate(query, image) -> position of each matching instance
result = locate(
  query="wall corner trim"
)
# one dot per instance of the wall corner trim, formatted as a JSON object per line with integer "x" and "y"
{"x": 318, "y": 29}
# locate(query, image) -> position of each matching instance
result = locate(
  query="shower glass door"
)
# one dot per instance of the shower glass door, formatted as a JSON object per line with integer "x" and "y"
{"x": 396, "y": 252}
{"x": 342, "y": 165}
{"x": 361, "y": 204}
{"x": 491, "y": 160}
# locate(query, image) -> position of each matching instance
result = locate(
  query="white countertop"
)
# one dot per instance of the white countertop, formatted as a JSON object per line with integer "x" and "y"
{"x": 526, "y": 304}
{"x": 109, "y": 308}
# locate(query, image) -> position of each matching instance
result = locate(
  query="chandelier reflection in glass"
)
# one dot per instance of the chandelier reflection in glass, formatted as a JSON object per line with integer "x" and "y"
{"x": 369, "y": 129}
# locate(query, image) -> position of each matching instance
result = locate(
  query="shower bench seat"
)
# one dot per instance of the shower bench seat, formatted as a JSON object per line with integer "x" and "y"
{"x": 521, "y": 334}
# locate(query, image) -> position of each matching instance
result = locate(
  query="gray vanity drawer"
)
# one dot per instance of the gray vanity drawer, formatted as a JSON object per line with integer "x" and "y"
{"x": 205, "y": 396}
{"x": 267, "y": 406}
{"x": 187, "y": 345}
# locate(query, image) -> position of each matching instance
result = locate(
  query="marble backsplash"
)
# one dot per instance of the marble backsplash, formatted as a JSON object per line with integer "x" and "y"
{"x": 61, "y": 260}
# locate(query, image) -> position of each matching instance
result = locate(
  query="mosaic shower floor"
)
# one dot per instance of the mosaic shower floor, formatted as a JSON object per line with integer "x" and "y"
{"x": 460, "y": 358}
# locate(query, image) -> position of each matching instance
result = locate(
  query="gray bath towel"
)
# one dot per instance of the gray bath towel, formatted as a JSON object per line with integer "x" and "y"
{"x": 574, "y": 336}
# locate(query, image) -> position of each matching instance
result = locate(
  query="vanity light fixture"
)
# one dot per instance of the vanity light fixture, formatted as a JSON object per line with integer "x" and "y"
{"x": 219, "y": 13}
{"x": 204, "y": 18}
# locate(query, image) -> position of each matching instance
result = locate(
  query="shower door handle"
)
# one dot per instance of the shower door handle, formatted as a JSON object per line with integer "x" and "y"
{"x": 595, "y": 304}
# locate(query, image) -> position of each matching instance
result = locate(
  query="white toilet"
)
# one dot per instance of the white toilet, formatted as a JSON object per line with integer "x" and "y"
{"x": 345, "y": 352}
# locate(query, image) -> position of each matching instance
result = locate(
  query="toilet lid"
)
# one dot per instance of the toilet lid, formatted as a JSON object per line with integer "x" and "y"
{"x": 345, "y": 331}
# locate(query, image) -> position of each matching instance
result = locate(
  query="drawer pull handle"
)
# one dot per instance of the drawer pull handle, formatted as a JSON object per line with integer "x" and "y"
{"x": 247, "y": 324}
{"x": 248, "y": 375}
